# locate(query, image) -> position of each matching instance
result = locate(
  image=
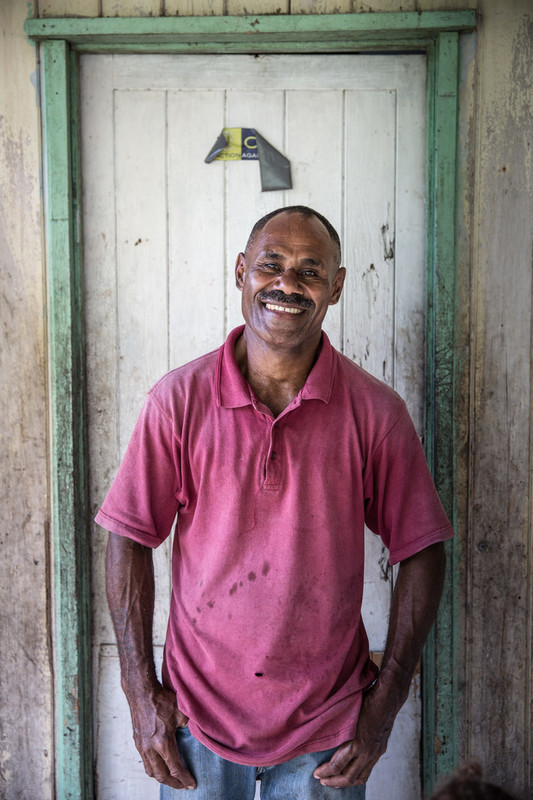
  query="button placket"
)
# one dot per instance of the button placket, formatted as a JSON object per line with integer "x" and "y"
{"x": 273, "y": 461}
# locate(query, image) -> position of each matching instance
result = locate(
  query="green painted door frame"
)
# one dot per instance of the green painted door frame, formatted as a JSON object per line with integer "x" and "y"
{"x": 61, "y": 40}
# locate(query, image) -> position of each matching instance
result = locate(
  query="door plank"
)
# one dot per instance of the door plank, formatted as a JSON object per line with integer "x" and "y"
{"x": 142, "y": 278}
{"x": 245, "y": 202}
{"x": 409, "y": 249}
{"x": 369, "y": 301}
{"x": 370, "y": 186}
{"x": 264, "y": 72}
{"x": 318, "y": 166}
{"x": 96, "y": 108}
{"x": 196, "y": 231}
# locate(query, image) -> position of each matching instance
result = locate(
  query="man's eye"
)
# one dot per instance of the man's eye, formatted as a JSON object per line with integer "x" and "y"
{"x": 309, "y": 273}
{"x": 270, "y": 265}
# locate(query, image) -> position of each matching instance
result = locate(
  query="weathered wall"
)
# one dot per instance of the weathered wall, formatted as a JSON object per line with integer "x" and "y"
{"x": 494, "y": 347}
{"x": 498, "y": 720}
{"x": 26, "y": 745}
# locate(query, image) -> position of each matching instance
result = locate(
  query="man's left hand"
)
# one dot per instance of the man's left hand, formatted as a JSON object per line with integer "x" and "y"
{"x": 354, "y": 760}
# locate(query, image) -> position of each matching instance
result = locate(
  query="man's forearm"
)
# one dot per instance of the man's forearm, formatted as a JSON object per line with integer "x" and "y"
{"x": 414, "y": 607}
{"x": 130, "y": 594}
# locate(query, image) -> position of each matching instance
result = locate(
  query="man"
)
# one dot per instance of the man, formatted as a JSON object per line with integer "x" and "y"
{"x": 274, "y": 451}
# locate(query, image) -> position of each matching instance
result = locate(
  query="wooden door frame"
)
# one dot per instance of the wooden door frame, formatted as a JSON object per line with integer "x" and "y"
{"x": 61, "y": 40}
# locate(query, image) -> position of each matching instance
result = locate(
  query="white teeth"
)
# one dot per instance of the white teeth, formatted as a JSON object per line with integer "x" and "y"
{"x": 272, "y": 307}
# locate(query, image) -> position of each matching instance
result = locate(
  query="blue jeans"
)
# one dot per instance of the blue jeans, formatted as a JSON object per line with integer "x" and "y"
{"x": 219, "y": 779}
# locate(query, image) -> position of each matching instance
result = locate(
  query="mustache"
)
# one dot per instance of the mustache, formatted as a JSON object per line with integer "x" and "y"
{"x": 277, "y": 296}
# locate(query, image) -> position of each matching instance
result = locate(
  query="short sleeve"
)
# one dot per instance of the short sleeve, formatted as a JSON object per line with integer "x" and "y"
{"x": 142, "y": 501}
{"x": 401, "y": 502}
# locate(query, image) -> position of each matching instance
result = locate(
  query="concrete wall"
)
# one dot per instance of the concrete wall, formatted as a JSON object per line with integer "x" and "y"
{"x": 493, "y": 400}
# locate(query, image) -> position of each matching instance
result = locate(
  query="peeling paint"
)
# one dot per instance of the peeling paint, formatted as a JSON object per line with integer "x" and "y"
{"x": 371, "y": 283}
{"x": 388, "y": 243}
{"x": 36, "y": 83}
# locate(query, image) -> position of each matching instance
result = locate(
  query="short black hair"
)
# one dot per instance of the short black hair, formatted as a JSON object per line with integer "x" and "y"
{"x": 302, "y": 211}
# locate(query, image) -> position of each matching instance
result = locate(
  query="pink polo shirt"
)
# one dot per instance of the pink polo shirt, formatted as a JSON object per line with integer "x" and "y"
{"x": 266, "y": 648}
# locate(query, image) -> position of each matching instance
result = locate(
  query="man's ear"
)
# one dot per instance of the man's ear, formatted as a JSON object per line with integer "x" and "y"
{"x": 240, "y": 269}
{"x": 338, "y": 283}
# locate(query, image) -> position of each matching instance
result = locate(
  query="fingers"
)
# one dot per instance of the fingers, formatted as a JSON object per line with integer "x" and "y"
{"x": 154, "y": 733}
{"x": 181, "y": 719}
{"x": 167, "y": 767}
{"x": 176, "y": 768}
{"x": 346, "y": 768}
{"x": 336, "y": 764}
{"x": 175, "y": 777}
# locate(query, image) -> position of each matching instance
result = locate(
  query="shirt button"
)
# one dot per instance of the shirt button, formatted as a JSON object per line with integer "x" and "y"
{"x": 273, "y": 455}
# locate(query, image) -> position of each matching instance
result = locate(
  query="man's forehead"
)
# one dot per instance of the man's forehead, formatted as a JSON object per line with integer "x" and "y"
{"x": 290, "y": 228}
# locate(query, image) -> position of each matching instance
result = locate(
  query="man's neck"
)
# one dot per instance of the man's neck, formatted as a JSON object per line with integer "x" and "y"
{"x": 275, "y": 375}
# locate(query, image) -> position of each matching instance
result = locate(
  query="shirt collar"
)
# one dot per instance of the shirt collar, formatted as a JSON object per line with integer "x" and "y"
{"x": 233, "y": 390}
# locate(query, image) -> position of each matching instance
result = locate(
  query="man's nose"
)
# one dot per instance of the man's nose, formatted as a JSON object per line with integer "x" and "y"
{"x": 289, "y": 281}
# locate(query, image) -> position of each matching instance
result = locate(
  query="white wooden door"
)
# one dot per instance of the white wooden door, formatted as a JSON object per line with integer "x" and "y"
{"x": 162, "y": 230}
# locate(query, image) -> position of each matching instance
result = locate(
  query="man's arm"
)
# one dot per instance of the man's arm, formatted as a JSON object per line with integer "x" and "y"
{"x": 154, "y": 711}
{"x": 414, "y": 607}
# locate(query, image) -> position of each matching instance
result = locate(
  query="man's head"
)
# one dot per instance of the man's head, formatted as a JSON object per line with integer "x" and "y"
{"x": 289, "y": 275}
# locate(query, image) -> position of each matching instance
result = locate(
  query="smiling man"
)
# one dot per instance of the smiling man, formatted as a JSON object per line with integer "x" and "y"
{"x": 274, "y": 452}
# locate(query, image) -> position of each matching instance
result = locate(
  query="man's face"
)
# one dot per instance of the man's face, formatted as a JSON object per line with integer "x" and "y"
{"x": 288, "y": 278}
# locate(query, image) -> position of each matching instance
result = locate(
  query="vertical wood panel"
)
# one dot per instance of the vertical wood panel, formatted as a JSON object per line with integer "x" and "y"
{"x": 142, "y": 275}
{"x": 465, "y": 217}
{"x": 370, "y": 195}
{"x": 245, "y": 202}
{"x": 100, "y": 303}
{"x": 140, "y": 157}
{"x": 317, "y": 167}
{"x": 370, "y": 175}
{"x": 499, "y": 656}
{"x": 196, "y": 216}
{"x": 408, "y": 243}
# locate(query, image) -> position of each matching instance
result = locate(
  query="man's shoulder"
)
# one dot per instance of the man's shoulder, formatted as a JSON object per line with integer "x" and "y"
{"x": 375, "y": 407}
{"x": 365, "y": 386}
{"x": 193, "y": 376}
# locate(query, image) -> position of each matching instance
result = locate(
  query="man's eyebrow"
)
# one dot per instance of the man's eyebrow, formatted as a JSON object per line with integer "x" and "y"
{"x": 271, "y": 254}
{"x": 309, "y": 261}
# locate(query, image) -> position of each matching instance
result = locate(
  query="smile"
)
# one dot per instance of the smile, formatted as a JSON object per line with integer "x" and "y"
{"x": 272, "y": 307}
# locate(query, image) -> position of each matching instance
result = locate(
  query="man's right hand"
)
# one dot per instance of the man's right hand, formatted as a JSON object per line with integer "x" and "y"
{"x": 155, "y": 720}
